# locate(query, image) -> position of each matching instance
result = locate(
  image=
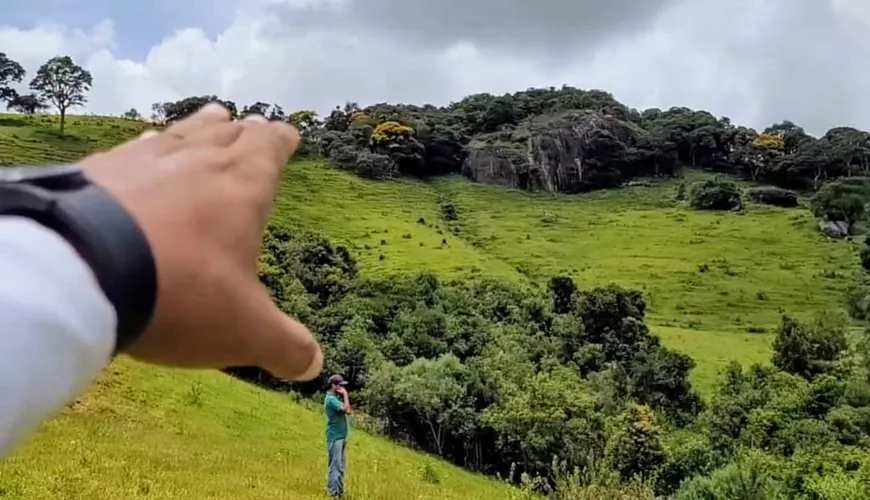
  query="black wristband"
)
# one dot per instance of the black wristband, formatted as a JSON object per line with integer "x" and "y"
{"x": 107, "y": 238}
{"x": 111, "y": 242}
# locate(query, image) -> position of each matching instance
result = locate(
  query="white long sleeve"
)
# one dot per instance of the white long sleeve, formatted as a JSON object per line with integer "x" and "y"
{"x": 57, "y": 328}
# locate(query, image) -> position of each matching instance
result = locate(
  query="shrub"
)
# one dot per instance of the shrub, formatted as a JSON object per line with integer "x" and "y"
{"x": 865, "y": 258}
{"x": 842, "y": 200}
{"x": 769, "y": 195}
{"x": 715, "y": 194}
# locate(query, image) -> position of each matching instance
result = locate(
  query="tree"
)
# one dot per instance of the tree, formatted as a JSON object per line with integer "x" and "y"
{"x": 168, "y": 112}
{"x": 562, "y": 289}
{"x": 636, "y": 448}
{"x": 809, "y": 350}
{"x": 63, "y": 83}
{"x": 715, "y": 194}
{"x": 258, "y": 108}
{"x": 27, "y": 103}
{"x": 10, "y": 72}
{"x": 132, "y": 114}
{"x": 432, "y": 390}
{"x": 158, "y": 112}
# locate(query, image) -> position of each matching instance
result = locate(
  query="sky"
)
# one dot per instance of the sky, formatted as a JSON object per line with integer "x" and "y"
{"x": 755, "y": 61}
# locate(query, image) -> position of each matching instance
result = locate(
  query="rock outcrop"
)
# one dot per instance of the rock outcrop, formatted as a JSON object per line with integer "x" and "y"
{"x": 568, "y": 153}
{"x": 834, "y": 229}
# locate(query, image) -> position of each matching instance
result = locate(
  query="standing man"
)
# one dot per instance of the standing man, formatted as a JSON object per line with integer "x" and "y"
{"x": 337, "y": 408}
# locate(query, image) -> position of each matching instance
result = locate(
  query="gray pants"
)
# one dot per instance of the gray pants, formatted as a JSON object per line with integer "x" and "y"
{"x": 336, "y": 460}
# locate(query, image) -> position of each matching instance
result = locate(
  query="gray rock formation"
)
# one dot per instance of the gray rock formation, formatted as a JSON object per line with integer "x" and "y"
{"x": 834, "y": 229}
{"x": 568, "y": 153}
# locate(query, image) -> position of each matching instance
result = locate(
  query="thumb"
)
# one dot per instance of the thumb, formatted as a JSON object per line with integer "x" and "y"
{"x": 280, "y": 344}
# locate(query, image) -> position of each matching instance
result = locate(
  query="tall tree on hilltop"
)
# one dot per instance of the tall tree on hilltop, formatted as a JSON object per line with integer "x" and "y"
{"x": 63, "y": 83}
{"x": 10, "y": 72}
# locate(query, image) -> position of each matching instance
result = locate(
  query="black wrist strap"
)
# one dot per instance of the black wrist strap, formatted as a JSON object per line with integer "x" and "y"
{"x": 110, "y": 240}
{"x": 106, "y": 237}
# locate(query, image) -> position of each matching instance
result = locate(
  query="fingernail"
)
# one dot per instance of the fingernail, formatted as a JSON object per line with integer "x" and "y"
{"x": 256, "y": 118}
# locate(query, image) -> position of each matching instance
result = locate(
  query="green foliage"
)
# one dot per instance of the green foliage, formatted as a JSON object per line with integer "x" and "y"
{"x": 715, "y": 194}
{"x": 466, "y": 366}
{"x": 169, "y": 112}
{"x": 770, "y": 195}
{"x": 11, "y": 72}
{"x": 27, "y": 103}
{"x": 132, "y": 114}
{"x": 534, "y": 139}
{"x": 63, "y": 83}
{"x": 523, "y": 367}
{"x": 865, "y": 257}
{"x": 748, "y": 478}
{"x": 150, "y": 432}
{"x": 809, "y": 350}
{"x": 562, "y": 290}
{"x": 843, "y": 200}
{"x": 636, "y": 448}
{"x": 858, "y": 300}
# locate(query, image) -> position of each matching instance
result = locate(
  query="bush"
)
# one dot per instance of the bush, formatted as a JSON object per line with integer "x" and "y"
{"x": 858, "y": 301}
{"x": 842, "y": 200}
{"x": 738, "y": 480}
{"x": 865, "y": 258}
{"x": 715, "y": 194}
{"x": 775, "y": 196}
{"x": 809, "y": 349}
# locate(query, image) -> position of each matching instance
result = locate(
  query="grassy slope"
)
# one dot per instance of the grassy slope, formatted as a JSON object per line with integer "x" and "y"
{"x": 144, "y": 432}
{"x": 760, "y": 263}
{"x": 766, "y": 261}
{"x": 153, "y": 433}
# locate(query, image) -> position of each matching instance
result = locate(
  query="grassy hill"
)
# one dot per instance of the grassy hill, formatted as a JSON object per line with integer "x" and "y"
{"x": 715, "y": 284}
{"x": 757, "y": 264}
{"x": 144, "y": 432}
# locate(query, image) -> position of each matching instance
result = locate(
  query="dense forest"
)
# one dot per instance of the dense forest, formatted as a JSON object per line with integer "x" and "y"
{"x": 565, "y": 140}
{"x": 556, "y": 386}
{"x": 543, "y": 381}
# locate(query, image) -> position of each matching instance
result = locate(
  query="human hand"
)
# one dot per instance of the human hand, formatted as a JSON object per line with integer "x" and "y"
{"x": 202, "y": 191}
{"x": 341, "y": 390}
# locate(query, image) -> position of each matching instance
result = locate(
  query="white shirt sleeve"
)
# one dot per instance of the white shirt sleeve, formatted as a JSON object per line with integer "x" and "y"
{"x": 57, "y": 328}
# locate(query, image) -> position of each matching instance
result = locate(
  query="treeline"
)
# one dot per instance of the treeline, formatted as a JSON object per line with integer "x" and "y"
{"x": 618, "y": 143}
{"x": 504, "y": 378}
{"x": 384, "y": 140}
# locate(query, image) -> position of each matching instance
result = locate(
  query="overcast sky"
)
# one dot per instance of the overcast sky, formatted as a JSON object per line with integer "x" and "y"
{"x": 755, "y": 61}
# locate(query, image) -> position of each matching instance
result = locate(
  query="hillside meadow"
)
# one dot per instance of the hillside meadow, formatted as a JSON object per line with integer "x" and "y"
{"x": 145, "y": 432}
{"x": 715, "y": 283}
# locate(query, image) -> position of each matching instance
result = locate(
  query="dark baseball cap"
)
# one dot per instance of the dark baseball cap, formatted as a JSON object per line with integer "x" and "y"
{"x": 337, "y": 379}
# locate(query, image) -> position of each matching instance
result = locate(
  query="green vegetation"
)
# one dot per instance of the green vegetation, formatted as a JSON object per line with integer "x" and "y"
{"x": 673, "y": 331}
{"x": 715, "y": 284}
{"x": 145, "y": 432}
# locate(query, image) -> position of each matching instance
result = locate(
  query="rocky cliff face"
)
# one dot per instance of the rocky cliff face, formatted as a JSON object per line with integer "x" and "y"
{"x": 567, "y": 153}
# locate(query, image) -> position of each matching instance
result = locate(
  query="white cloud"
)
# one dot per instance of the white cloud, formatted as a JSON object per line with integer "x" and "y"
{"x": 756, "y": 62}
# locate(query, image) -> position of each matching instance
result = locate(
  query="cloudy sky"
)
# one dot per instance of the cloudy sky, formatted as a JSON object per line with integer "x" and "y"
{"x": 756, "y": 61}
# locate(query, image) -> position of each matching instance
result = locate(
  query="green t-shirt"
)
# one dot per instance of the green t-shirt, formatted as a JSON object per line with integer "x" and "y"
{"x": 336, "y": 419}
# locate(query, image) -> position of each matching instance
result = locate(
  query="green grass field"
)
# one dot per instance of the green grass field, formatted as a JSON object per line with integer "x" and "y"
{"x": 756, "y": 265}
{"x": 144, "y": 432}
{"x": 715, "y": 283}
